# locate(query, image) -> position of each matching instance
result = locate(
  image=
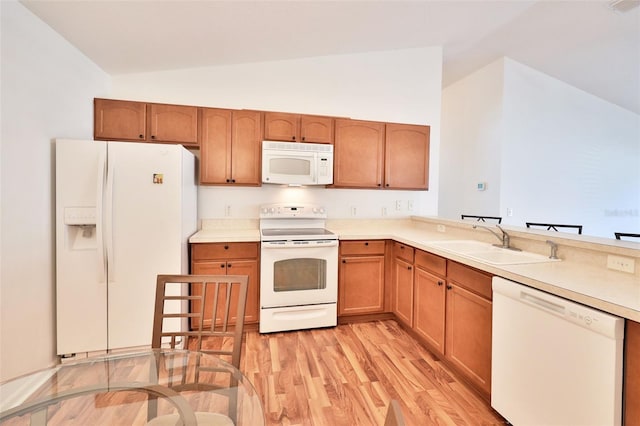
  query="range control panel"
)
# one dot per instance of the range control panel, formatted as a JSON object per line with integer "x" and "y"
{"x": 283, "y": 210}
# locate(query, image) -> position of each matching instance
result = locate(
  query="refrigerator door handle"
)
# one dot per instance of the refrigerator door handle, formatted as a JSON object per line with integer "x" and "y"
{"x": 102, "y": 259}
{"x": 109, "y": 222}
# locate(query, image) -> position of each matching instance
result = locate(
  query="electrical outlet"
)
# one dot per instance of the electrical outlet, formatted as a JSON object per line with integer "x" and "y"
{"x": 353, "y": 210}
{"x": 620, "y": 263}
{"x": 509, "y": 211}
{"x": 384, "y": 211}
{"x": 227, "y": 210}
{"x": 410, "y": 205}
{"x": 398, "y": 204}
{"x": 442, "y": 228}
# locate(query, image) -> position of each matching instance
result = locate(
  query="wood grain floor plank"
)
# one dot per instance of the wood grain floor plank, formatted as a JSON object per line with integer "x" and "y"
{"x": 348, "y": 374}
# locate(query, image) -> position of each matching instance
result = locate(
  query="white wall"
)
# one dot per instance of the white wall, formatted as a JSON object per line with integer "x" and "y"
{"x": 568, "y": 156}
{"x": 396, "y": 86}
{"x": 563, "y": 155}
{"x": 47, "y": 90}
{"x": 472, "y": 112}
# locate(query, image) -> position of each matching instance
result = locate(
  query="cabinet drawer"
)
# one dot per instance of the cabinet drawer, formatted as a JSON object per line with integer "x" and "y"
{"x": 469, "y": 278}
{"x": 431, "y": 262}
{"x": 363, "y": 247}
{"x": 403, "y": 251}
{"x": 204, "y": 251}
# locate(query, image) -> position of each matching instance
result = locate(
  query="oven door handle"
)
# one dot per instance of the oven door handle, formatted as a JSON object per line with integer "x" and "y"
{"x": 299, "y": 244}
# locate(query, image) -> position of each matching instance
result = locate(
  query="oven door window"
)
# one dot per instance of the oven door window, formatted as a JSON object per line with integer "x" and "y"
{"x": 299, "y": 274}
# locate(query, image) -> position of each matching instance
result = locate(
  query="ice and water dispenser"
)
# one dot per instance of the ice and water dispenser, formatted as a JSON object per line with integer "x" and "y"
{"x": 80, "y": 228}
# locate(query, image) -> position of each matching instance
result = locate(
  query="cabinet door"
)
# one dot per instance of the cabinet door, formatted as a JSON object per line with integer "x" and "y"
{"x": 119, "y": 120}
{"x": 406, "y": 156}
{"x": 316, "y": 129}
{"x": 215, "y": 146}
{"x": 173, "y": 123}
{"x": 246, "y": 134}
{"x": 358, "y": 154}
{"x": 361, "y": 285}
{"x": 279, "y": 126}
{"x": 429, "y": 308}
{"x": 231, "y": 267}
{"x": 403, "y": 290}
{"x": 250, "y": 268}
{"x": 468, "y": 334}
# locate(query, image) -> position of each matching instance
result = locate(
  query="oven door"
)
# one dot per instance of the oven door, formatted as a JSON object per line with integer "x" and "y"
{"x": 298, "y": 273}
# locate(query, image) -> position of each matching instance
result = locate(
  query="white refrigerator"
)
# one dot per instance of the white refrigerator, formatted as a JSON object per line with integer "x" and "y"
{"x": 124, "y": 213}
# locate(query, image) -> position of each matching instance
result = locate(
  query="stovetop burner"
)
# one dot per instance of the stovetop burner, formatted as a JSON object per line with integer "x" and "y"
{"x": 294, "y": 232}
{"x": 294, "y": 222}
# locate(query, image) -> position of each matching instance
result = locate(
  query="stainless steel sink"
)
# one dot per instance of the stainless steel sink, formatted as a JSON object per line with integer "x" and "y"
{"x": 488, "y": 253}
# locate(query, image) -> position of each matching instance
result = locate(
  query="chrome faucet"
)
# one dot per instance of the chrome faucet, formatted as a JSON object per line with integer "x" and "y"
{"x": 504, "y": 238}
{"x": 554, "y": 249}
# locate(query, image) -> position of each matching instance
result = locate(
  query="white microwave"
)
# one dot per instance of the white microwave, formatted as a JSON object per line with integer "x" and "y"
{"x": 295, "y": 163}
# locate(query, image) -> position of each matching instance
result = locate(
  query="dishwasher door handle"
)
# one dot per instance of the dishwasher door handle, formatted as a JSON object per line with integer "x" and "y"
{"x": 541, "y": 303}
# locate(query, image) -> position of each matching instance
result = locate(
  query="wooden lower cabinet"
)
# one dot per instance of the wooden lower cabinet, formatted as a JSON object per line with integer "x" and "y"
{"x": 632, "y": 374}
{"x": 361, "y": 277}
{"x": 468, "y": 334}
{"x": 429, "y": 298}
{"x": 429, "y": 308}
{"x": 403, "y": 282}
{"x": 230, "y": 259}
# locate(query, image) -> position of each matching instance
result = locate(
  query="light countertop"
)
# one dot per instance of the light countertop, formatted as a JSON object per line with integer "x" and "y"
{"x": 582, "y": 276}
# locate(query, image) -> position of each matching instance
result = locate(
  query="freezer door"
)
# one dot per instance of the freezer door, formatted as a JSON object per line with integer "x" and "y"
{"x": 143, "y": 232}
{"x": 81, "y": 288}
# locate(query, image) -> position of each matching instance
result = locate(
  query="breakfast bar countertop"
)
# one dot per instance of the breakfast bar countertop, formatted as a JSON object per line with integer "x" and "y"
{"x": 581, "y": 276}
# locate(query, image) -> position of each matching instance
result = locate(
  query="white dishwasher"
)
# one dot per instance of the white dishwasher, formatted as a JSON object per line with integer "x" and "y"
{"x": 554, "y": 362}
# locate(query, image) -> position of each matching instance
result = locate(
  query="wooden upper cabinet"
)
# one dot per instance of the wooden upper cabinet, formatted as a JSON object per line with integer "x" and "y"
{"x": 215, "y": 145}
{"x": 246, "y": 147}
{"x": 280, "y": 126}
{"x": 406, "y": 164}
{"x": 230, "y": 149}
{"x": 316, "y": 129}
{"x": 119, "y": 120}
{"x": 173, "y": 123}
{"x": 358, "y": 154}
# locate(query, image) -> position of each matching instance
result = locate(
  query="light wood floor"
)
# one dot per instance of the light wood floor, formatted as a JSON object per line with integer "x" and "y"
{"x": 346, "y": 376}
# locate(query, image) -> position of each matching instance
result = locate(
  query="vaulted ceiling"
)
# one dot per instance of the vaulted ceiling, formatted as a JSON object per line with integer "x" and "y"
{"x": 585, "y": 43}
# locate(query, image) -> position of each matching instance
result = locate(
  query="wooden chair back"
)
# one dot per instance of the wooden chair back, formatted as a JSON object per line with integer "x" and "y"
{"x": 185, "y": 304}
{"x": 482, "y": 218}
{"x": 394, "y": 414}
{"x": 554, "y": 226}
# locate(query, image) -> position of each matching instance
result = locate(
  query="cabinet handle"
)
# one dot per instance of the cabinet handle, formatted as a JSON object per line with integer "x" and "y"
{"x": 449, "y": 287}
{"x": 344, "y": 261}
{"x": 222, "y": 265}
{"x": 229, "y": 265}
{"x": 228, "y": 180}
{"x": 153, "y": 137}
{"x": 440, "y": 283}
{"x": 293, "y": 138}
{"x": 387, "y": 185}
{"x": 379, "y": 184}
{"x": 304, "y": 139}
{"x": 226, "y": 247}
{"x": 409, "y": 267}
{"x": 233, "y": 181}
{"x": 141, "y": 136}
{"x": 366, "y": 244}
